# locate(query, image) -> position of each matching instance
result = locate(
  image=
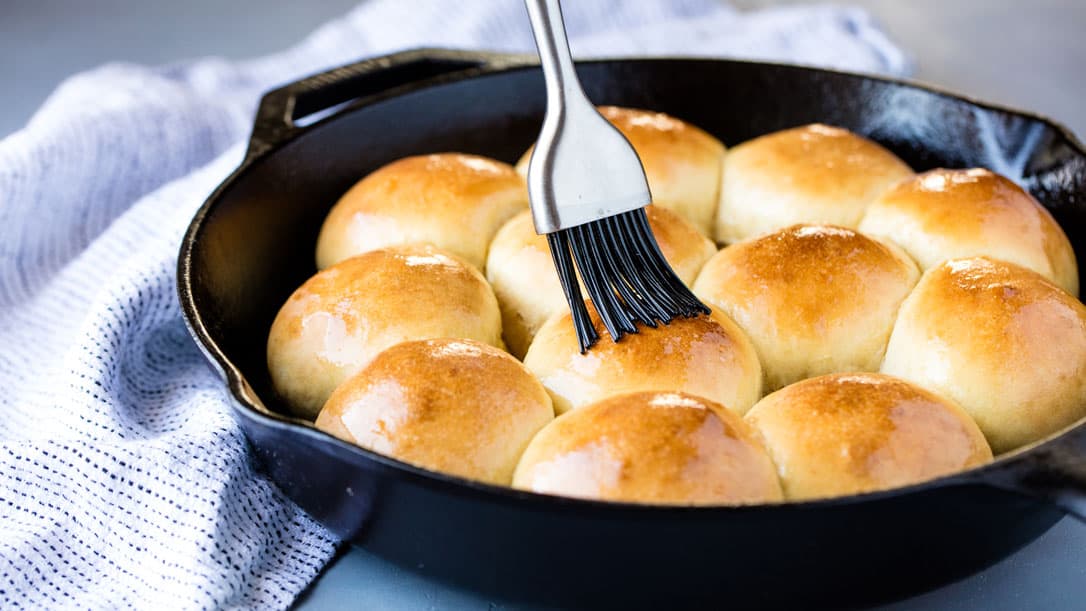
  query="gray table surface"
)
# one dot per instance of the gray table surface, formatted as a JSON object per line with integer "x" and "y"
{"x": 1026, "y": 54}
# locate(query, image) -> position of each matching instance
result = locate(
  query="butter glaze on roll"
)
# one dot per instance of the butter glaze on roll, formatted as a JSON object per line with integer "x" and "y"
{"x": 341, "y": 318}
{"x": 813, "y": 299}
{"x": 451, "y": 405}
{"x": 1002, "y": 341}
{"x": 858, "y": 432}
{"x": 707, "y": 355}
{"x": 450, "y": 200}
{"x": 682, "y": 162}
{"x": 950, "y": 214}
{"x": 521, "y": 271}
{"x": 810, "y": 174}
{"x": 667, "y": 448}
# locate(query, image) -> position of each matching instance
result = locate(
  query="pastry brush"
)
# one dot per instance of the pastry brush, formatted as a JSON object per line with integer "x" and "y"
{"x": 588, "y": 192}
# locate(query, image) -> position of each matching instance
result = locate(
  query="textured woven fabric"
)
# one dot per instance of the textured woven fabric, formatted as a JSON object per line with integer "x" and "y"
{"x": 123, "y": 481}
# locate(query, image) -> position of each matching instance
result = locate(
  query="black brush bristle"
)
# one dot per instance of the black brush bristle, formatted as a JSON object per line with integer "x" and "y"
{"x": 567, "y": 275}
{"x": 626, "y": 276}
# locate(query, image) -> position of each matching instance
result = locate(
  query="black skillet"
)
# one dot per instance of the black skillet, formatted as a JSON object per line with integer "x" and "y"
{"x": 253, "y": 241}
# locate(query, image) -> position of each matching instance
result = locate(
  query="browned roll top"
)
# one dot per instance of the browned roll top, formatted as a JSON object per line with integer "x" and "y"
{"x": 453, "y": 405}
{"x": 672, "y": 448}
{"x": 848, "y": 433}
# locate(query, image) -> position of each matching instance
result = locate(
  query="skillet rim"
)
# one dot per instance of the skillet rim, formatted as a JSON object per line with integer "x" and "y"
{"x": 247, "y": 404}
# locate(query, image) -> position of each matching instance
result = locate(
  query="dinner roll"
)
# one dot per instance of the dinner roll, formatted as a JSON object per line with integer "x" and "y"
{"x": 520, "y": 269}
{"x": 451, "y": 405}
{"x": 336, "y": 322}
{"x": 646, "y": 447}
{"x": 814, "y": 299}
{"x": 810, "y": 174}
{"x": 1002, "y": 341}
{"x": 451, "y": 200}
{"x": 682, "y": 162}
{"x": 949, "y": 214}
{"x": 706, "y": 355}
{"x": 849, "y": 433}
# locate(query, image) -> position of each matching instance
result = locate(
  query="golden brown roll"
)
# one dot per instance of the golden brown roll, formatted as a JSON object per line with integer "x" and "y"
{"x": 814, "y": 299}
{"x": 849, "y": 433}
{"x": 336, "y": 322}
{"x": 708, "y": 356}
{"x": 668, "y": 448}
{"x": 1002, "y": 341}
{"x": 520, "y": 269}
{"x": 450, "y": 200}
{"x": 682, "y": 162}
{"x": 950, "y": 214}
{"x": 810, "y": 174}
{"x": 451, "y": 405}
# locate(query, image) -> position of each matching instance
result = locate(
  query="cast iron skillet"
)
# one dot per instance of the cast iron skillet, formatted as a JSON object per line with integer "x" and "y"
{"x": 252, "y": 244}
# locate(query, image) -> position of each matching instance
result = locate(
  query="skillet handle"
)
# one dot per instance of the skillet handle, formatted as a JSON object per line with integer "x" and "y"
{"x": 1053, "y": 472}
{"x": 321, "y": 93}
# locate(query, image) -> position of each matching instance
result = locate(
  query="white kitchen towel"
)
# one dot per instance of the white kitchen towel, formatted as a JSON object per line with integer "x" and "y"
{"x": 123, "y": 481}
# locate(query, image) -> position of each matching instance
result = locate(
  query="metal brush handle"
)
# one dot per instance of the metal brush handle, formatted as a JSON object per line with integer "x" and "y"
{"x": 554, "y": 53}
{"x": 583, "y": 169}
{"x": 588, "y": 191}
